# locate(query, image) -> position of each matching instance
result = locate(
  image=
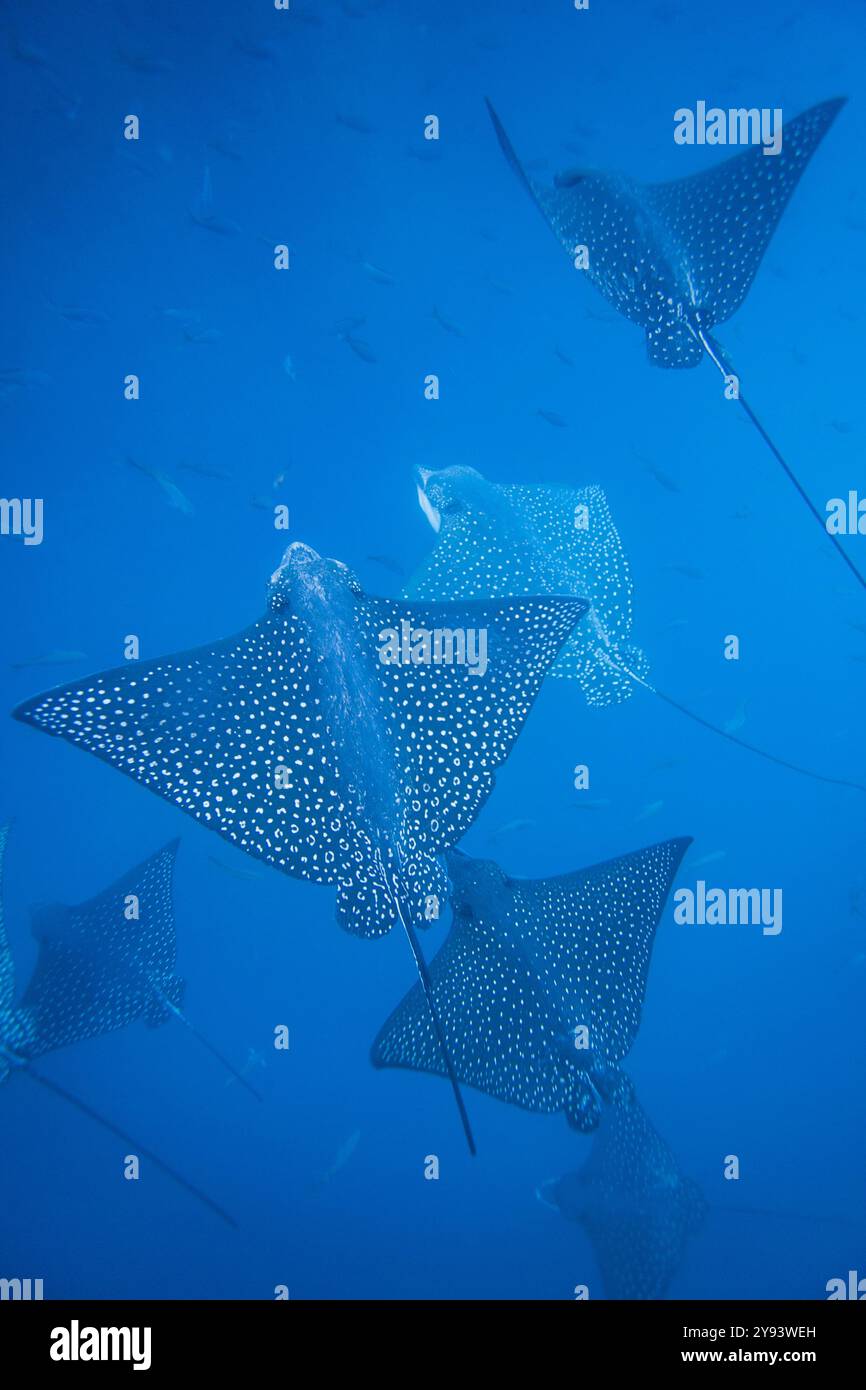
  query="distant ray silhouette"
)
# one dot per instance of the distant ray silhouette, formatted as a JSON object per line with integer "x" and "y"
{"x": 99, "y": 970}
{"x": 678, "y": 258}
{"x": 498, "y": 539}
{"x": 634, "y": 1204}
{"x": 300, "y": 745}
{"x": 528, "y": 965}
{"x": 72, "y": 997}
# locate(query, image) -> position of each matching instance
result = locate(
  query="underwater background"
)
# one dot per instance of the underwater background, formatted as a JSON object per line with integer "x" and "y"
{"x": 305, "y": 127}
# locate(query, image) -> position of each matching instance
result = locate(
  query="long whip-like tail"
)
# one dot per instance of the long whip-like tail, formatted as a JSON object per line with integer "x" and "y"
{"x": 206, "y": 1043}
{"x": 128, "y": 1139}
{"x": 427, "y": 986}
{"x": 718, "y": 356}
{"x": 732, "y": 738}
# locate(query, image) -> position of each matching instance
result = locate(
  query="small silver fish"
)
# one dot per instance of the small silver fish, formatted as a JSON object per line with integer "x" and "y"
{"x": 736, "y": 723}
{"x": 249, "y": 875}
{"x": 75, "y": 313}
{"x": 355, "y": 123}
{"x": 663, "y": 479}
{"x": 689, "y": 571}
{"x": 359, "y": 347}
{"x": 52, "y": 658}
{"x": 255, "y": 1062}
{"x": 511, "y": 827}
{"x": 387, "y": 563}
{"x": 176, "y": 498}
{"x": 552, "y": 418}
{"x": 201, "y": 336}
{"x": 344, "y": 1153}
{"x": 448, "y": 324}
{"x": 221, "y": 226}
{"x": 712, "y": 858}
{"x": 377, "y": 274}
{"x": 651, "y": 809}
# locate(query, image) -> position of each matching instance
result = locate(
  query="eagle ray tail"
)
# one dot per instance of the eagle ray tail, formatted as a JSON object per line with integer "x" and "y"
{"x": 128, "y": 1139}
{"x": 211, "y": 1047}
{"x": 718, "y": 356}
{"x": 427, "y": 986}
{"x": 732, "y": 738}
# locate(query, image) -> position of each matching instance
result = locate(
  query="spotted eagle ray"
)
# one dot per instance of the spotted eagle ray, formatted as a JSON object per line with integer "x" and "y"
{"x": 495, "y": 539}
{"x": 73, "y": 996}
{"x": 111, "y": 960}
{"x": 303, "y": 743}
{"x": 631, "y": 1199}
{"x": 678, "y": 258}
{"x": 540, "y": 983}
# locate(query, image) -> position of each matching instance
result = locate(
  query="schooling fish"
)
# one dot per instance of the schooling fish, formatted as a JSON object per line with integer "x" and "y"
{"x": 633, "y": 1202}
{"x": 308, "y": 741}
{"x": 92, "y": 978}
{"x": 497, "y": 539}
{"x": 175, "y": 497}
{"x": 540, "y": 983}
{"x": 678, "y": 258}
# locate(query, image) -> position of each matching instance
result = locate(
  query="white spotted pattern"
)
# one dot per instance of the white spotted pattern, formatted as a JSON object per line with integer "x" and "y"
{"x": 678, "y": 256}
{"x": 635, "y": 1205}
{"x": 499, "y": 540}
{"x": 525, "y": 963}
{"x": 98, "y": 971}
{"x": 295, "y": 743}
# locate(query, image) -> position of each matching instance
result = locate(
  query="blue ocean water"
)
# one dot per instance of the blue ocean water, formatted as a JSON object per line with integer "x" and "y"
{"x": 305, "y": 127}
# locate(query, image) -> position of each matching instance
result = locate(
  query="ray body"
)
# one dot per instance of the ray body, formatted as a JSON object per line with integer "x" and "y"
{"x": 633, "y": 1202}
{"x": 678, "y": 258}
{"x": 498, "y": 540}
{"x": 297, "y": 743}
{"x": 301, "y": 744}
{"x": 533, "y": 967}
{"x": 96, "y": 972}
{"x": 99, "y": 969}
